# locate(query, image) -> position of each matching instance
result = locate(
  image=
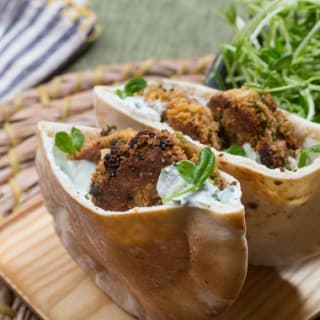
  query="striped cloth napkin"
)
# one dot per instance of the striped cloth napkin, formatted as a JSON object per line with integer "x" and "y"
{"x": 37, "y": 37}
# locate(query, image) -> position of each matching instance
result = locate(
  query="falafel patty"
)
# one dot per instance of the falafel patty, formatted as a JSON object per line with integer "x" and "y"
{"x": 184, "y": 113}
{"x": 128, "y": 174}
{"x": 235, "y": 116}
{"x": 91, "y": 150}
{"x": 245, "y": 116}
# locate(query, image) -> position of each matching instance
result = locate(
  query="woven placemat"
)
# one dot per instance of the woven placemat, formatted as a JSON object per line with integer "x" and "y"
{"x": 65, "y": 98}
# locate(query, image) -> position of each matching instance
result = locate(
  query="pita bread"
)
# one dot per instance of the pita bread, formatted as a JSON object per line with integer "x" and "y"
{"x": 161, "y": 262}
{"x": 282, "y": 208}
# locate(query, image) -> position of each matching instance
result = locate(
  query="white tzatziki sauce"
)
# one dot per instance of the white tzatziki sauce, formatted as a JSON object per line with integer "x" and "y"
{"x": 250, "y": 153}
{"x": 78, "y": 171}
{"x": 139, "y": 107}
{"x": 292, "y": 162}
{"x": 309, "y": 142}
{"x": 150, "y": 110}
{"x": 171, "y": 182}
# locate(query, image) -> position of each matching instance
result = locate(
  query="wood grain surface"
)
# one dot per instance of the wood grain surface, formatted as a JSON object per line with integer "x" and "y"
{"x": 35, "y": 264}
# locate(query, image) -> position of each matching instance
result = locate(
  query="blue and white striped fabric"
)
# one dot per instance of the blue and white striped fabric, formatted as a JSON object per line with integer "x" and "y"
{"x": 37, "y": 37}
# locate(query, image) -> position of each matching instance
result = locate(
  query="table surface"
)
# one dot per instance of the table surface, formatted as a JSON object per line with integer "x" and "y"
{"x": 140, "y": 29}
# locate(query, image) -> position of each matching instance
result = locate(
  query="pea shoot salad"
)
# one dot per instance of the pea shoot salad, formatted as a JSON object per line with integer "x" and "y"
{"x": 277, "y": 50}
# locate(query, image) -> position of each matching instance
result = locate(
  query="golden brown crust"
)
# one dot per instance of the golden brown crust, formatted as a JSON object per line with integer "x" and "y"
{"x": 248, "y": 117}
{"x": 185, "y": 114}
{"x": 273, "y": 154}
{"x": 92, "y": 147}
{"x": 128, "y": 175}
{"x": 155, "y": 92}
{"x": 190, "y": 117}
{"x": 234, "y": 117}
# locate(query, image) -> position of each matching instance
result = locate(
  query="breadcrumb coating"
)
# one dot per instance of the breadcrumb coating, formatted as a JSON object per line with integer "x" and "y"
{"x": 128, "y": 175}
{"x": 184, "y": 113}
{"x": 245, "y": 116}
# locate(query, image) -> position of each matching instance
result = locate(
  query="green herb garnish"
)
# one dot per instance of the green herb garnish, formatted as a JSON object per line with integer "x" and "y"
{"x": 69, "y": 143}
{"x": 304, "y": 158}
{"x": 7, "y": 311}
{"x": 111, "y": 127}
{"x": 236, "y": 149}
{"x": 133, "y": 86}
{"x": 77, "y": 138}
{"x": 195, "y": 174}
{"x": 275, "y": 50}
{"x": 186, "y": 169}
{"x": 229, "y": 15}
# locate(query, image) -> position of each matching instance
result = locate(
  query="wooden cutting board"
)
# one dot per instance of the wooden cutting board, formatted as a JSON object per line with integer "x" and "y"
{"x": 35, "y": 264}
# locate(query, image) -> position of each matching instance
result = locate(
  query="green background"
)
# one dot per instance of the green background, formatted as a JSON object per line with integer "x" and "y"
{"x": 140, "y": 29}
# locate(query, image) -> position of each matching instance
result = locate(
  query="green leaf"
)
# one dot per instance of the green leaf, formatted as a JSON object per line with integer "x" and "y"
{"x": 193, "y": 174}
{"x": 269, "y": 53}
{"x": 69, "y": 143}
{"x": 176, "y": 195}
{"x": 63, "y": 141}
{"x": 120, "y": 94}
{"x": 236, "y": 150}
{"x": 205, "y": 166}
{"x": 279, "y": 48}
{"x": 133, "y": 86}
{"x": 186, "y": 169}
{"x": 303, "y": 159}
{"x": 230, "y": 15}
{"x": 77, "y": 138}
{"x": 256, "y": 86}
{"x": 314, "y": 149}
{"x": 283, "y": 62}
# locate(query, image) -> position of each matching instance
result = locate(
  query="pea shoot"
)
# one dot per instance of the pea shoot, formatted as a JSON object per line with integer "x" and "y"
{"x": 236, "y": 149}
{"x": 304, "y": 158}
{"x": 133, "y": 86}
{"x": 194, "y": 174}
{"x": 277, "y": 51}
{"x": 69, "y": 143}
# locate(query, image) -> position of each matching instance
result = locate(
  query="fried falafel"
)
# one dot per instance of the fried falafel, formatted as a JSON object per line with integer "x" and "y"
{"x": 128, "y": 174}
{"x": 185, "y": 114}
{"x": 235, "y": 116}
{"x": 245, "y": 116}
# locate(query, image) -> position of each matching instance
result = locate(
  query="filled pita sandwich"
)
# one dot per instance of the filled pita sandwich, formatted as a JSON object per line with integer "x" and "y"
{"x": 149, "y": 217}
{"x": 272, "y": 153}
